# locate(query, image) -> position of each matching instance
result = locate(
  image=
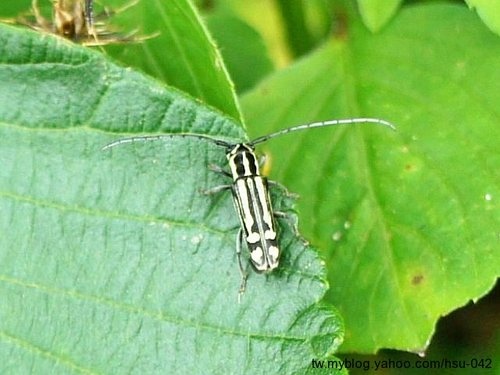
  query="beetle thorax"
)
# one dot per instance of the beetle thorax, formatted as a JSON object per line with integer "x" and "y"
{"x": 242, "y": 161}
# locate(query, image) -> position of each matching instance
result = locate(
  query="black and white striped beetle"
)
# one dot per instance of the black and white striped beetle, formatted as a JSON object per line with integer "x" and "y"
{"x": 250, "y": 192}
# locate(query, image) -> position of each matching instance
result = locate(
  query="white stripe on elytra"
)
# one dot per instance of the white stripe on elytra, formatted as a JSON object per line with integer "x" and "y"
{"x": 252, "y": 237}
{"x": 270, "y": 233}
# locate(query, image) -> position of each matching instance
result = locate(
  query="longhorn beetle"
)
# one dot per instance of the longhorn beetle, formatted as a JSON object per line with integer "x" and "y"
{"x": 250, "y": 191}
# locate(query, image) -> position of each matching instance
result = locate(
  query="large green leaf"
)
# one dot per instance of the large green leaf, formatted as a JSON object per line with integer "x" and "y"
{"x": 409, "y": 219}
{"x": 114, "y": 262}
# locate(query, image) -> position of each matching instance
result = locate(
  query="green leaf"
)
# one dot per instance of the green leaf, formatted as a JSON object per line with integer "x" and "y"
{"x": 242, "y": 48}
{"x": 376, "y": 13}
{"x": 489, "y": 11}
{"x": 408, "y": 220}
{"x": 300, "y": 39}
{"x": 114, "y": 262}
{"x": 195, "y": 66}
{"x": 179, "y": 52}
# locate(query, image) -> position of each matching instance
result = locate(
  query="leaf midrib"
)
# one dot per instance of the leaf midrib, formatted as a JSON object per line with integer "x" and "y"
{"x": 365, "y": 175}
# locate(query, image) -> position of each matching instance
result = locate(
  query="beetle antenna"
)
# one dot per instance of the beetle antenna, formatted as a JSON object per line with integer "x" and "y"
{"x": 320, "y": 124}
{"x": 150, "y": 138}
